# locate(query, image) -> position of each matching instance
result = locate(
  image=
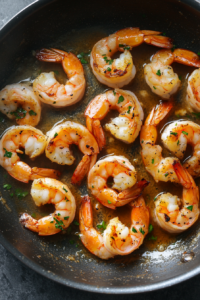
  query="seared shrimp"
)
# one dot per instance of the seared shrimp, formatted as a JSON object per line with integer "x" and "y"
{"x": 124, "y": 180}
{"x": 46, "y": 191}
{"x": 159, "y": 167}
{"x": 116, "y": 73}
{"x": 33, "y": 141}
{"x": 126, "y": 126}
{"x": 50, "y": 90}
{"x": 193, "y": 90}
{"x": 176, "y": 215}
{"x": 18, "y": 101}
{"x": 159, "y": 74}
{"x": 176, "y": 136}
{"x": 59, "y": 139}
{"x": 117, "y": 239}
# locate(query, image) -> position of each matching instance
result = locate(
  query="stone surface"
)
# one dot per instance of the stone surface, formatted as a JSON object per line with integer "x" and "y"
{"x": 21, "y": 283}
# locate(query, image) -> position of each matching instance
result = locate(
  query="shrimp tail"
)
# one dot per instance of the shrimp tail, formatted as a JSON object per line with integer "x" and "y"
{"x": 42, "y": 172}
{"x": 134, "y": 192}
{"x": 157, "y": 114}
{"x": 182, "y": 174}
{"x": 159, "y": 41}
{"x": 99, "y": 134}
{"x": 186, "y": 57}
{"x": 85, "y": 212}
{"x": 82, "y": 169}
{"x": 27, "y": 221}
{"x": 48, "y": 55}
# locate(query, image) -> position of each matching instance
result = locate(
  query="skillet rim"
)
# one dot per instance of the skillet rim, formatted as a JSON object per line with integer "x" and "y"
{"x": 23, "y": 13}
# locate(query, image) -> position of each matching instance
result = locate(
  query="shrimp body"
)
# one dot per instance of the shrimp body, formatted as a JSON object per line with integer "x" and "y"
{"x": 159, "y": 74}
{"x": 125, "y": 187}
{"x": 159, "y": 167}
{"x": 50, "y": 90}
{"x": 176, "y": 215}
{"x": 46, "y": 191}
{"x": 193, "y": 90}
{"x": 117, "y": 239}
{"x": 176, "y": 136}
{"x": 126, "y": 126}
{"x": 59, "y": 139}
{"x": 116, "y": 73}
{"x": 18, "y": 101}
{"x": 33, "y": 141}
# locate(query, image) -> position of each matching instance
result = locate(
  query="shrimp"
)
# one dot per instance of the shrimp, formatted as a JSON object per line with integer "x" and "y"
{"x": 46, "y": 191}
{"x": 193, "y": 90}
{"x": 126, "y": 126}
{"x": 18, "y": 101}
{"x": 124, "y": 180}
{"x": 33, "y": 141}
{"x": 50, "y": 90}
{"x": 117, "y": 239}
{"x": 176, "y": 215}
{"x": 59, "y": 139}
{"x": 116, "y": 73}
{"x": 159, "y": 167}
{"x": 176, "y": 136}
{"x": 159, "y": 74}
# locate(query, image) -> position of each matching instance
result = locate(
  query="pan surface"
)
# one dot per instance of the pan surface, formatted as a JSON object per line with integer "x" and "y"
{"x": 47, "y": 24}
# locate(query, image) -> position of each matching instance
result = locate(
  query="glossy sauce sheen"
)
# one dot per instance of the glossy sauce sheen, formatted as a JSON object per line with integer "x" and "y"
{"x": 29, "y": 68}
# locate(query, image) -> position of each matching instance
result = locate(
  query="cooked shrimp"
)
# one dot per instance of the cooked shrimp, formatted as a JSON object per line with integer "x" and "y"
{"x": 126, "y": 126}
{"x": 59, "y": 139}
{"x": 159, "y": 74}
{"x": 125, "y": 181}
{"x": 18, "y": 101}
{"x": 176, "y": 136}
{"x": 159, "y": 167}
{"x": 176, "y": 215}
{"x": 116, "y": 73}
{"x": 33, "y": 141}
{"x": 193, "y": 90}
{"x": 50, "y": 90}
{"x": 117, "y": 239}
{"x": 46, "y": 191}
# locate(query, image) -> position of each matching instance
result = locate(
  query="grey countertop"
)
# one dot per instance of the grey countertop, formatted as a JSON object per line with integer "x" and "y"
{"x": 18, "y": 282}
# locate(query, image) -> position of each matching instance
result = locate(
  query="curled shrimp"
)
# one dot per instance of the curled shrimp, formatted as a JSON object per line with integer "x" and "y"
{"x": 33, "y": 141}
{"x": 159, "y": 74}
{"x": 18, "y": 101}
{"x": 176, "y": 136}
{"x": 117, "y": 239}
{"x": 193, "y": 90}
{"x": 59, "y": 139}
{"x": 116, "y": 73}
{"x": 159, "y": 167}
{"x": 50, "y": 90}
{"x": 126, "y": 126}
{"x": 124, "y": 180}
{"x": 46, "y": 191}
{"x": 176, "y": 215}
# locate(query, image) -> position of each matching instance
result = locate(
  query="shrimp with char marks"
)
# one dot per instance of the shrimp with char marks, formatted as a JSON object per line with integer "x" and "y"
{"x": 176, "y": 215}
{"x": 159, "y": 167}
{"x": 159, "y": 74}
{"x": 33, "y": 141}
{"x": 126, "y": 126}
{"x": 125, "y": 187}
{"x": 117, "y": 238}
{"x": 50, "y": 90}
{"x": 59, "y": 139}
{"x": 18, "y": 101}
{"x": 46, "y": 191}
{"x": 116, "y": 73}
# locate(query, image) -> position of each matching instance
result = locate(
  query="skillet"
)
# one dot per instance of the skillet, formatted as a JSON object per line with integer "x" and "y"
{"x": 35, "y": 27}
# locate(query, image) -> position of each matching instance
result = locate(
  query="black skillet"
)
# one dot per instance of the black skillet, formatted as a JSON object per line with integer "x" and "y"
{"x": 37, "y": 26}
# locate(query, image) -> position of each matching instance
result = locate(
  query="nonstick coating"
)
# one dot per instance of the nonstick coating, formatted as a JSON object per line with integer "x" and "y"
{"x": 37, "y": 26}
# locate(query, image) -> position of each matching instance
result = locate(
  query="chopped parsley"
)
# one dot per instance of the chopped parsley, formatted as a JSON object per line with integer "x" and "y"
{"x": 198, "y": 53}
{"x": 142, "y": 231}
{"x": 153, "y": 238}
{"x": 20, "y": 194}
{"x": 154, "y": 87}
{"x": 197, "y": 115}
{"x": 72, "y": 242}
{"x": 33, "y": 215}
{"x": 173, "y": 133}
{"x": 56, "y": 72}
{"x": 7, "y": 153}
{"x": 129, "y": 108}
{"x": 102, "y": 225}
{"x": 54, "y": 102}
{"x": 158, "y": 73}
{"x": 150, "y": 227}
{"x": 11, "y": 194}
{"x": 108, "y": 69}
{"x": 109, "y": 202}
{"x": 55, "y": 135}
{"x": 180, "y": 77}
{"x": 76, "y": 223}
{"x": 83, "y": 61}
{"x": 155, "y": 199}
{"x": 173, "y": 48}
{"x": 20, "y": 113}
{"x": 134, "y": 230}
{"x": 184, "y": 132}
{"x": 109, "y": 61}
{"x": 92, "y": 186}
{"x": 178, "y": 142}
{"x": 112, "y": 237}
{"x": 32, "y": 113}
{"x": 114, "y": 92}
{"x": 166, "y": 174}
{"x": 58, "y": 214}
{"x": 125, "y": 47}
{"x": 190, "y": 207}
{"x": 7, "y": 186}
{"x": 121, "y": 99}
{"x": 65, "y": 190}
{"x": 66, "y": 218}
{"x": 59, "y": 224}
{"x": 152, "y": 161}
